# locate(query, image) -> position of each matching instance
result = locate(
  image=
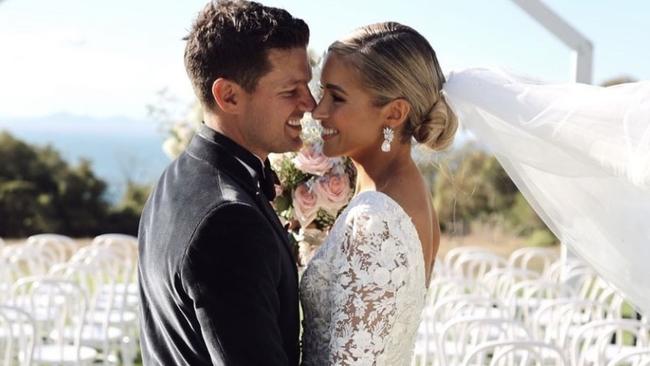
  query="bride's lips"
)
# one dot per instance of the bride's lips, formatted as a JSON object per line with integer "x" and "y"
{"x": 329, "y": 133}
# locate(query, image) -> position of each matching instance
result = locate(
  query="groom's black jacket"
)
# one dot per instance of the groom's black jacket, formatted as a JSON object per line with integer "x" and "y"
{"x": 218, "y": 283}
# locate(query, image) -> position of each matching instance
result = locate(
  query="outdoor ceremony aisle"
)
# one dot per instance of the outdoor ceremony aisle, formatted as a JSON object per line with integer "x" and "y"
{"x": 65, "y": 303}
{"x": 481, "y": 306}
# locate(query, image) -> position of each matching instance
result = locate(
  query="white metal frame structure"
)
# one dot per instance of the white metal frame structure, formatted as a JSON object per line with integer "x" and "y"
{"x": 583, "y": 50}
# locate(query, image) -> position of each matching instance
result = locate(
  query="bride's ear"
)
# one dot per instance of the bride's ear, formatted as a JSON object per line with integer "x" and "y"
{"x": 396, "y": 113}
{"x": 228, "y": 95}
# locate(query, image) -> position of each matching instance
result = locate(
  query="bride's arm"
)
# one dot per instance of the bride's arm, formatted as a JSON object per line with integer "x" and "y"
{"x": 371, "y": 266}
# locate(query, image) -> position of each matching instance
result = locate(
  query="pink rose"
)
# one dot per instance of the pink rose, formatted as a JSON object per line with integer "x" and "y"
{"x": 333, "y": 192}
{"x": 310, "y": 161}
{"x": 304, "y": 204}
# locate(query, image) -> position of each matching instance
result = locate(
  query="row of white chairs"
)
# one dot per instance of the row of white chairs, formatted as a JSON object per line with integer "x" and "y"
{"x": 484, "y": 309}
{"x": 474, "y": 261}
{"x": 580, "y": 329}
{"x": 504, "y": 279}
{"x": 77, "y": 305}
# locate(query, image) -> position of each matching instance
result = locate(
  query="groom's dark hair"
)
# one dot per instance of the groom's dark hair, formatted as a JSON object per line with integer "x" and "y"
{"x": 231, "y": 39}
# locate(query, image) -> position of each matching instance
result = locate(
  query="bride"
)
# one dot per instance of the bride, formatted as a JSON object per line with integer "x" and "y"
{"x": 363, "y": 292}
{"x": 579, "y": 154}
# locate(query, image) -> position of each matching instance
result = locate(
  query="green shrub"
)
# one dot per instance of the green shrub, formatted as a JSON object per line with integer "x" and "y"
{"x": 41, "y": 192}
{"x": 541, "y": 238}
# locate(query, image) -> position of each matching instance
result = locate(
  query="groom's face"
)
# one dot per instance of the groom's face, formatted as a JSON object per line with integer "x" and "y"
{"x": 273, "y": 110}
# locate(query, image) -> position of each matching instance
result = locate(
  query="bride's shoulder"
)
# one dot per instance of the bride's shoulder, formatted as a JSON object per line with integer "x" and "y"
{"x": 371, "y": 202}
{"x": 373, "y": 206}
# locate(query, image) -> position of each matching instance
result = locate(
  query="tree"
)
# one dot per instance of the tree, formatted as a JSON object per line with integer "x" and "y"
{"x": 472, "y": 186}
{"x": 40, "y": 192}
{"x": 124, "y": 218}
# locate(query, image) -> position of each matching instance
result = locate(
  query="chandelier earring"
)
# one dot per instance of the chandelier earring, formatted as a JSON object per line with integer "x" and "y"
{"x": 388, "y": 138}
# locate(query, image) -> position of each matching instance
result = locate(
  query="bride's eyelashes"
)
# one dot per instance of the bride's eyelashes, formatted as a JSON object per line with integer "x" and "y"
{"x": 333, "y": 91}
{"x": 337, "y": 99}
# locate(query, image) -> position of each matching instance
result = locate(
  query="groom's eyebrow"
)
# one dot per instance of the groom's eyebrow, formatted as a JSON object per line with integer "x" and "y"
{"x": 335, "y": 87}
{"x": 293, "y": 82}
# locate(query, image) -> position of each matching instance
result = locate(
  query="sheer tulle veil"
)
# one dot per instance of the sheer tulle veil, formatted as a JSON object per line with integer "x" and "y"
{"x": 580, "y": 155}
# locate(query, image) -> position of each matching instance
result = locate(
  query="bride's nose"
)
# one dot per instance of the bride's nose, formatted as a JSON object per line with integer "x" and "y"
{"x": 319, "y": 112}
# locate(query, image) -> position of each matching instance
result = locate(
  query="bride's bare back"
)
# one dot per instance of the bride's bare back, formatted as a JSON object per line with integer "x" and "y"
{"x": 410, "y": 191}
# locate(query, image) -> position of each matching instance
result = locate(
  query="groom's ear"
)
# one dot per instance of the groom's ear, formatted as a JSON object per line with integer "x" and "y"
{"x": 395, "y": 113}
{"x": 228, "y": 95}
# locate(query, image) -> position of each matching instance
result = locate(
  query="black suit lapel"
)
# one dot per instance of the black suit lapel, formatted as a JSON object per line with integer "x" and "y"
{"x": 277, "y": 225}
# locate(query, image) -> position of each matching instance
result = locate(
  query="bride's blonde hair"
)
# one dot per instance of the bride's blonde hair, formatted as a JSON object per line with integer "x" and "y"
{"x": 395, "y": 61}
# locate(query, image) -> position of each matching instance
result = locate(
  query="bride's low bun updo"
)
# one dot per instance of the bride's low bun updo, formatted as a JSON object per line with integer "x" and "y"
{"x": 438, "y": 128}
{"x": 394, "y": 62}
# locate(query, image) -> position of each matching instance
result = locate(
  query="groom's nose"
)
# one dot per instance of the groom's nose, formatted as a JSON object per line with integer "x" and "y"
{"x": 307, "y": 102}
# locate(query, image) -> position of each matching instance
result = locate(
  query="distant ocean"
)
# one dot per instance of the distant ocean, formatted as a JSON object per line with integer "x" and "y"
{"x": 119, "y": 148}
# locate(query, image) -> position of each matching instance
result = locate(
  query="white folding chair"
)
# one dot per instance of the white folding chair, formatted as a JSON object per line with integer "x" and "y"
{"x": 17, "y": 335}
{"x": 452, "y": 255}
{"x": 603, "y": 293}
{"x": 462, "y": 334}
{"x": 450, "y": 307}
{"x": 501, "y": 280}
{"x": 477, "y": 264}
{"x": 640, "y": 357}
{"x": 515, "y": 353}
{"x": 581, "y": 279}
{"x": 125, "y": 247}
{"x": 557, "y": 321}
{"x": 21, "y": 297}
{"x": 532, "y": 258}
{"x": 440, "y": 268}
{"x": 9, "y": 273}
{"x": 559, "y": 269}
{"x": 526, "y": 297}
{"x": 29, "y": 260}
{"x": 60, "y": 305}
{"x": 116, "y": 294}
{"x": 94, "y": 277}
{"x": 598, "y": 342}
{"x": 440, "y": 288}
{"x": 57, "y": 247}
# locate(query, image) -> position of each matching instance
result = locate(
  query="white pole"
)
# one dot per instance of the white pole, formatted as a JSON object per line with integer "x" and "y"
{"x": 582, "y": 54}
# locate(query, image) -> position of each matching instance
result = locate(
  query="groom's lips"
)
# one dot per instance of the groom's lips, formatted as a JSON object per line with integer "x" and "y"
{"x": 294, "y": 123}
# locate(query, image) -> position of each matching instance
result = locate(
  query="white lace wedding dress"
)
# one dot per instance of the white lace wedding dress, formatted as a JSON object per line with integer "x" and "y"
{"x": 363, "y": 291}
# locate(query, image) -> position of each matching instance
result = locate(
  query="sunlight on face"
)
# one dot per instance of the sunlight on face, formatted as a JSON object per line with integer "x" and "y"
{"x": 349, "y": 118}
{"x": 275, "y": 107}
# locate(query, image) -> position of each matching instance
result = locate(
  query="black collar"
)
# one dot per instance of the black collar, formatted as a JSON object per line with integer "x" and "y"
{"x": 260, "y": 171}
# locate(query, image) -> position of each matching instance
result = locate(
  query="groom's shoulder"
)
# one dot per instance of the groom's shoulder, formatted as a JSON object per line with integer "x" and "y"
{"x": 191, "y": 191}
{"x": 211, "y": 183}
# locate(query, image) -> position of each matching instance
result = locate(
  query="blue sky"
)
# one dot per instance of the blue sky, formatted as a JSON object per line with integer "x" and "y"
{"x": 109, "y": 58}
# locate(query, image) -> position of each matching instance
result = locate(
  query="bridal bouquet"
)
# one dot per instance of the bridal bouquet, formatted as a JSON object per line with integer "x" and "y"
{"x": 313, "y": 189}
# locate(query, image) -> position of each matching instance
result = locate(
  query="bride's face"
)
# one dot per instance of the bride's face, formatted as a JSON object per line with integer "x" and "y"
{"x": 349, "y": 118}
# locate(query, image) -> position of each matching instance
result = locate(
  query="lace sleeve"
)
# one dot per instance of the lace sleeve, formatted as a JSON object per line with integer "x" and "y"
{"x": 371, "y": 267}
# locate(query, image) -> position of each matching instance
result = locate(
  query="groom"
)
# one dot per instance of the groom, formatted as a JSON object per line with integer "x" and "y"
{"x": 218, "y": 283}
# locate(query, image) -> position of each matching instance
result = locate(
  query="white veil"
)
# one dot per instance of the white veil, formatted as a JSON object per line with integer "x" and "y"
{"x": 580, "y": 155}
